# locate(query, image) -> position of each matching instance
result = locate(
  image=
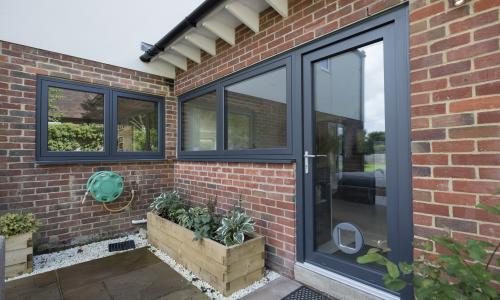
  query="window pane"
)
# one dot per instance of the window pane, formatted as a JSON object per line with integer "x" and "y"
{"x": 256, "y": 112}
{"x": 199, "y": 123}
{"x": 350, "y": 179}
{"x": 75, "y": 120}
{"x": 137, "y": 125}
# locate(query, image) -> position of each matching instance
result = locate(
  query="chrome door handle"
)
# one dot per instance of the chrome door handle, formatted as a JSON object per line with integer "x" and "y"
{"x": 306, "y": 160}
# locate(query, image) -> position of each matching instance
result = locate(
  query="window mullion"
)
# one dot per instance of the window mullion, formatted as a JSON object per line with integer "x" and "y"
{"x": 221, "y": 120}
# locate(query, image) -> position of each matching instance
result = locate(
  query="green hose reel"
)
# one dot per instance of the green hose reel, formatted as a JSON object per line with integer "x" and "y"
{"x": 105, "y": 186}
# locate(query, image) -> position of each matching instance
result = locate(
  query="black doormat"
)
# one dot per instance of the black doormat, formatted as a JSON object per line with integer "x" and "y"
{"x": 121, "y": 246}
{"x": 305, "y": 293}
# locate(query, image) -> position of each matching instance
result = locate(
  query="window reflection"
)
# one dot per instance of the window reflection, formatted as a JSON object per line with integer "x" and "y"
{"x": 75, "y": 120}
{"x": 137, "y": 126}
{"x": 256, "y": 112}
{"x": 199, "y": 121}
{"x": 350, "y": 182}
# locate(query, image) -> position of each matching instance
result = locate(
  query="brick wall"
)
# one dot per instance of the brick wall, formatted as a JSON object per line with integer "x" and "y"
{"x": 54, "y": 192}
{"x": 455, "y": 86}
{"x": 267, "y": 192}
{"x": 274, "y": 209}
{"x": 306, "y": 21}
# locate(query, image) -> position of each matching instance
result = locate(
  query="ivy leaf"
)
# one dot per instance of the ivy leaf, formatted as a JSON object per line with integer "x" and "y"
{"x": 494, "y": 210}
{"x": 392, "y": 268}
{"x": 405, "y": 268}
{"x": 394, "y": 284}
{"x": 369, "y": 258}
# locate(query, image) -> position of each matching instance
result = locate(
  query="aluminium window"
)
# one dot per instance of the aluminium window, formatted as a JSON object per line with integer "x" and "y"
{"x": 81, "y": 122}
{"x": 244, "y": 117}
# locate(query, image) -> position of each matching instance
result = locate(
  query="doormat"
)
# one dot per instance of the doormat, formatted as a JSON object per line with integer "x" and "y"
{"x": 121, "y": 246}
{"x": 305, "y": 293}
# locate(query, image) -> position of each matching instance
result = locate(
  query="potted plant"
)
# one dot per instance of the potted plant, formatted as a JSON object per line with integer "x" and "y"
{"x": 18, "y": 230}
{"x": 222, "y": 250}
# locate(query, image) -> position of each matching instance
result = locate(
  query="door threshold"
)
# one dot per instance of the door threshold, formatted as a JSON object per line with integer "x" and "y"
{"x": 338, "y": 286}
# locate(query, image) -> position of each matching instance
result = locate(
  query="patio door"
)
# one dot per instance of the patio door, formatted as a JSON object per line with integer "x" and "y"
{"x": 356, "y": 155}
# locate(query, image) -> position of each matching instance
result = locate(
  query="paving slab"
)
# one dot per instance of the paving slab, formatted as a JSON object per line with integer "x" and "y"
{"x": 131, "y": 275}
{"x": 276, "y": 289}
{"x": 43, "y": 286}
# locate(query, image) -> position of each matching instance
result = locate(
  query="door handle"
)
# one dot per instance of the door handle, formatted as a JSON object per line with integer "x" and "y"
{"x": 306, "y": 160}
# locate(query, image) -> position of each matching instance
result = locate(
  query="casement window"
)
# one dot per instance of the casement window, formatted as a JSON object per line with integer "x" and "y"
{"x": 246, "y": 116}
{"x": 82, "y": 122}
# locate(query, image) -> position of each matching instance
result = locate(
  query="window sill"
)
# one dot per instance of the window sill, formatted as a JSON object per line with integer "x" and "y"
{"x": 94, "y": 161}
{"x": 237, "y": 159}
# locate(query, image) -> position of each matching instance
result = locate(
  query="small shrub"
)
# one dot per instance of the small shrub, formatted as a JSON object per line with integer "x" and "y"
{"x": 234, "y": 228}
{"x": 204, "y": 221}
{"x": 13, "y": 224}
{"x": 168, "y": 205}
{"x": 462, "y": 273}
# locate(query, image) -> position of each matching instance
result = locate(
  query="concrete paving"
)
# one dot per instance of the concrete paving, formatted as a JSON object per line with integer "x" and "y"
{"x": 136, "y": 274}
{"x": 276, "y": 289}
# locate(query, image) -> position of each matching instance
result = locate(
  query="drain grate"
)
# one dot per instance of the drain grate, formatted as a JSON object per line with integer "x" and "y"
{"x": 305, "y": 293}
{"x": 121, "y": 246}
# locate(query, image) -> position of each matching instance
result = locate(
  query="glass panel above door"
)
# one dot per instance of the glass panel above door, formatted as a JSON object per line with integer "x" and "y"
{"x": 350, "y": 203}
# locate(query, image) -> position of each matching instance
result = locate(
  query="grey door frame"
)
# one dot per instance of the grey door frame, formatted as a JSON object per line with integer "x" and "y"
{"x": 392, "y": 28}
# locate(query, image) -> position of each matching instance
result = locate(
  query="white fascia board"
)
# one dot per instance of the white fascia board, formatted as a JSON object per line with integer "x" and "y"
{"x": 281, "y": 6}
{"x": 174, "y": 59}
{"x": 246, "y": 15}
{"x": 192, "y": 53}
{"x": 225, "y": 32}
{"x": 202, "y": 42}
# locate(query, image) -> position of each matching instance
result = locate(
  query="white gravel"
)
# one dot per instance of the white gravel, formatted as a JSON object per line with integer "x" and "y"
{"x": 207, "y": 288}
{"x": 72, "y": 256}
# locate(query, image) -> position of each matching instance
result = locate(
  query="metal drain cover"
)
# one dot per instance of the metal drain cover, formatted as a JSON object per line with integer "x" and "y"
{"x": 305, "y": 293}
{"x": 121, "y": 246}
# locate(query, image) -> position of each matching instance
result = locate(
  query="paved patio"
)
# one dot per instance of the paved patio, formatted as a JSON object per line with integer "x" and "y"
{"x": 135, "y": 274}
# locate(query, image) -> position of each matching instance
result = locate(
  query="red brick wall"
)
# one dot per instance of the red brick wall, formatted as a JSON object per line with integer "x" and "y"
{"x": 274, "y": 209}
{"x": 306, "y": 21}
{"x": 54, "y": 192}
{"x": 267, "y": 192}
{"x": 455, "y": 86}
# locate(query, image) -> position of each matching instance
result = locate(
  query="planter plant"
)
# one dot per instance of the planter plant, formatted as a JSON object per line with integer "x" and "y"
{"x": 463, "y": 272}
{"x": 18, "y": 230}
{"x": 222, "y": 250}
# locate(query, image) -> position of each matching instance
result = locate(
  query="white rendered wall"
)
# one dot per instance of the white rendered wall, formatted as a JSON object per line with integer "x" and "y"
{"x": 107, "y": 31}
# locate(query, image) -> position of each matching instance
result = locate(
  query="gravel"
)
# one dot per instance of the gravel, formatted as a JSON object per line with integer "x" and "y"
{"x": 56, "y": 260}
{"x": 207, "y": 288}
{"x": 72, "y": 256}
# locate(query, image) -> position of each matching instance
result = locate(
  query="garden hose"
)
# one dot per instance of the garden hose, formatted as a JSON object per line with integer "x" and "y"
{"x": 106, "y": 187}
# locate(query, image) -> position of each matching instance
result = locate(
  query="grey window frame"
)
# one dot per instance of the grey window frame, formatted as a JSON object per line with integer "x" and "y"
{"x": 110, "y": 153}
{"x": 284, "y": 154}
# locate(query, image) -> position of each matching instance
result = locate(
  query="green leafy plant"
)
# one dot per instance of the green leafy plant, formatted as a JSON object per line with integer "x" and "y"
{"x": 75, "y": 137}
{"x": 234, "y": 228}
{"x": 168, "y": 205}
{"x": 186, "y": 217}
{"x": 461, "y": 273}
{"x": 13, "y": 224}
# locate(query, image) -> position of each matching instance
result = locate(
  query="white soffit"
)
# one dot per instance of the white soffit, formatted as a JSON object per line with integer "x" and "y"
{"x": 220, "y": 23}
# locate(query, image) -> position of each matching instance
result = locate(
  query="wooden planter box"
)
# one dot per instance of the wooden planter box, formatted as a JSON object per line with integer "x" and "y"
{"x": 18, "y": 254}
{"x": 227, "y": 269}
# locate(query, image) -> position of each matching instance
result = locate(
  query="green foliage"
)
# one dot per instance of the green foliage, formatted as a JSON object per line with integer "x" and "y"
{"x": 13, "y": 224}
{"x": 234, "y": 228}
{"x": 75, "y": 137}
{"x": 204, "y": 221}
{"x": 168, "y": 205}
{"x": 461, "y": 273}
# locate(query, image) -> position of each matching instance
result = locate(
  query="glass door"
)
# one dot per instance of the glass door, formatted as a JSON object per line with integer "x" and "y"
{"x": 351, "y": 155}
